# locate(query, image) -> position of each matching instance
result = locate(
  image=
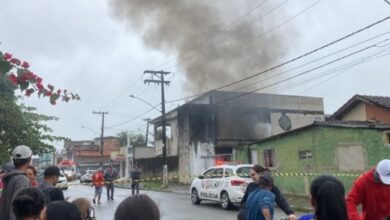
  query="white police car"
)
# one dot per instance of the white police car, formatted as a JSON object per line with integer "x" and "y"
{"x": 225, "y": 184}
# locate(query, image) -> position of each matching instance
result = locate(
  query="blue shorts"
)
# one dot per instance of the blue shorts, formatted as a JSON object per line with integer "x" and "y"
{"x": 98, "y": 190}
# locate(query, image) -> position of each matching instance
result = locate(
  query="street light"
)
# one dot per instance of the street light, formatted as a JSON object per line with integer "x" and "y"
{"x": 142, "y": 100}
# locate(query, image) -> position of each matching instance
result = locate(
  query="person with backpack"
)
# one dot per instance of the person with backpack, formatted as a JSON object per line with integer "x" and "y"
{"x": 98, "y": 182}
{"x": 15, "y": 181}
{"x": 51, "y": 176}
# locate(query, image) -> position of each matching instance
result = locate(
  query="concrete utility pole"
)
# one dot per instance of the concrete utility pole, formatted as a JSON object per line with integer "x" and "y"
{"x": 147, "y": 131}
{"x": 101, "y": 135}
{"x": 160, "y": 76}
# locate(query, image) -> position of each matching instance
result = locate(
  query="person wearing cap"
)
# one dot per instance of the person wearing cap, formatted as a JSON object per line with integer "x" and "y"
{"x": 372, "y": 191}
{"x": 51, "y": 176}
{"x": 14, "y": 181}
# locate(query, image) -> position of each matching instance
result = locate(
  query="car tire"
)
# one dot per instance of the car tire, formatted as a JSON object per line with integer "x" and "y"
{"x": 225, "y": 201}
{"x": 195, "y": 197}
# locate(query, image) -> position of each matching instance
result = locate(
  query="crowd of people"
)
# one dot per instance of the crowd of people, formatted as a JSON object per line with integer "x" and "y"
{"x": 24, "y": 199}
{"x": 327, "y": 197}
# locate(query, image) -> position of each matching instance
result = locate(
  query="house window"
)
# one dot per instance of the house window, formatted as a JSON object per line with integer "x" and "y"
{"x": 387, "y": 137}
{"x": 269, "y": 158}
{"x": 305, "y": 154}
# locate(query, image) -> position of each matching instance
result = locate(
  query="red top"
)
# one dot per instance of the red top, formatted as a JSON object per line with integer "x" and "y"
{"x": 34, "y": 183}
{"x": 374, "y": 197}
{"x": 98, "y": 179}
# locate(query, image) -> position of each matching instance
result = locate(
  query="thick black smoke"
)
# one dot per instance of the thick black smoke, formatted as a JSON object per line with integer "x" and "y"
{"x": 196, "y": 31}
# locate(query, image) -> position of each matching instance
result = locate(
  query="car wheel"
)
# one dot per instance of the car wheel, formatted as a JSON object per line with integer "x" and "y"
{"x": 225, "y": 201}
{"x": 194, "y": 197}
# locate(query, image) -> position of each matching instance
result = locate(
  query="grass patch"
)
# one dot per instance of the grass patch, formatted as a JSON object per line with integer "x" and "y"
{"x": 153, "y": 185}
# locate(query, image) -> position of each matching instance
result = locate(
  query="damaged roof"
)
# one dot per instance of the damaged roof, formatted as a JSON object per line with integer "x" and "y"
{"x": 380, "y": 101}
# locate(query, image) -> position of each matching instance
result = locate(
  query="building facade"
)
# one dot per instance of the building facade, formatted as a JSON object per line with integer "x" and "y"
{"x": 211, "y": 127}
{"x": 322, "y": 147}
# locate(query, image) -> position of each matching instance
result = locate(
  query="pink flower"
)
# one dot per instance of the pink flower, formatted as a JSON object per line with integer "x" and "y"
{"x": 25, "y": 65}
{"x": 29, "y": 91}
{"x": 39, "y": 80}
{"x": 13, "y": 79}
{"x": 15, "y": 61}
{"x": 7, "y": 56}
{"x": 39, "y": 86}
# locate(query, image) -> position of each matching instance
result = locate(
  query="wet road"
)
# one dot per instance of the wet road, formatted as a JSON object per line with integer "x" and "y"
{"x": 173, "y": 206}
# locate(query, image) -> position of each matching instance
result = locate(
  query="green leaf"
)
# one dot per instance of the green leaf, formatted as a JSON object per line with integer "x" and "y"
{"x": 5, "y": 67}
{"x": 20, "y": 72}
{"x": 24, "y": 85}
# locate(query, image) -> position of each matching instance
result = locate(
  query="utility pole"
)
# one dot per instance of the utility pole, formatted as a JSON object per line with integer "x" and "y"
{"x": 101, "y": 135}
{"x": 160, "y": 80}
{"x": 147, "y": 131}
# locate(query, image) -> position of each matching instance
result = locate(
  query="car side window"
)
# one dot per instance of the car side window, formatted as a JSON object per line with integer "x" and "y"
{"x": 219, "y": 173}
{"x": 209, "y": 174}
{"x": 228, "y": 172}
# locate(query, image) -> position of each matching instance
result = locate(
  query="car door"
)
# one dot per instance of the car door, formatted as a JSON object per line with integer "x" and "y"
{"x": 207, "y": 189}
{"x": 218, "y": 183}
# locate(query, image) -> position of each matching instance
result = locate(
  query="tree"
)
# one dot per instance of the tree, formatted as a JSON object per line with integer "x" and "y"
{"x": 135, "y": 139}
{"x": 20, "y": 124}
{"x": 15, "y": 74}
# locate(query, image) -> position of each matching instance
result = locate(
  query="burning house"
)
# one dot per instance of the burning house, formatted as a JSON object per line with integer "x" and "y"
{"x": 207, "y": 130}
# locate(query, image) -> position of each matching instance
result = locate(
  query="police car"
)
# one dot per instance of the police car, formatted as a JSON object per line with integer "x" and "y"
{"x": 225, "y": 184}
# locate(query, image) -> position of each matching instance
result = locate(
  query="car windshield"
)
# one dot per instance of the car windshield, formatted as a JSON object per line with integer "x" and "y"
{"x": 244, "y": 172}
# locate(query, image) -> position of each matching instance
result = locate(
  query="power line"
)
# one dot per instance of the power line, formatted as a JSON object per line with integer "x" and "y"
{"x": 315, "y": 60}
{"x": 300, "y": 74}
{"x": 293, "y": 59}
{"x": 344, "y": 68}
{"x": 132, "y": 119}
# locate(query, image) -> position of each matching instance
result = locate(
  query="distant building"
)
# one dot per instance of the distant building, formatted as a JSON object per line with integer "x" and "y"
{"x": 87, "y": 155}
{"x": 364, "y": 108}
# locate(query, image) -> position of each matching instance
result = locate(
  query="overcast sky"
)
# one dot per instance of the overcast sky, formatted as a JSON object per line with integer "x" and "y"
{"x": 87, "y": 48}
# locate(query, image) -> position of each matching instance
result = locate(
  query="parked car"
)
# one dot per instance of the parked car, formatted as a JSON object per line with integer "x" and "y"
{"x": 62, "y": 181}
{"x": 87, "y": 177}
{"x": 225, "y": 184}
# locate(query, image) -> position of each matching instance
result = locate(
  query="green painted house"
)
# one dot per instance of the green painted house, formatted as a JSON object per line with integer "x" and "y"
{"x": 333, "y": 147}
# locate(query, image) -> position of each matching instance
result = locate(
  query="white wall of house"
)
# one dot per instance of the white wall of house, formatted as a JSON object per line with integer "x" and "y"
{"x": 297, "y": 120}
{"x": 356, "y": 114}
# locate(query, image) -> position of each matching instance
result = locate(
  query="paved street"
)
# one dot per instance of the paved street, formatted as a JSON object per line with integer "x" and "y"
{"x": 173, "y": 206}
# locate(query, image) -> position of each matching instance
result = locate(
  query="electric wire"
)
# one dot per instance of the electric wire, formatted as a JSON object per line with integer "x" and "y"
{"x": 291, "y": 60}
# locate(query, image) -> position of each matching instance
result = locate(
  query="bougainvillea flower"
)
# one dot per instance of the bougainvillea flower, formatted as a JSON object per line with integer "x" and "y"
{"x": 48, "y": 93}
{"x": 39, "y": 80}
{"x": 13, "y": 79}
{"x": 15, "y": 61}
{"x": 25, "y": 65}
{"x": 39, "y": 86}
{"x": 7, "y": 56}
{"x": 29, "y": 91}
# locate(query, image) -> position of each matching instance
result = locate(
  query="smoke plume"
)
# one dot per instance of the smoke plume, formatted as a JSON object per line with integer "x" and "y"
{"x": 209, "y": 52}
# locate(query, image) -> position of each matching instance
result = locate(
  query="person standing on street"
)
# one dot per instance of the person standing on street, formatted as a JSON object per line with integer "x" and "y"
{"x": 15, "y": 181}
{"x": 109, "y": 177}
{"x": 51, "y": 176}
{"x": 372, "y": 191}
{"x": 98, "y": 182}
{"x": 135, "y": 178}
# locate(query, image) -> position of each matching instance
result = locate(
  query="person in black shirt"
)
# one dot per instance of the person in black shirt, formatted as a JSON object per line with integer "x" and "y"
{"x": 255, "y": 173}
{"x": 135, "y": 177}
